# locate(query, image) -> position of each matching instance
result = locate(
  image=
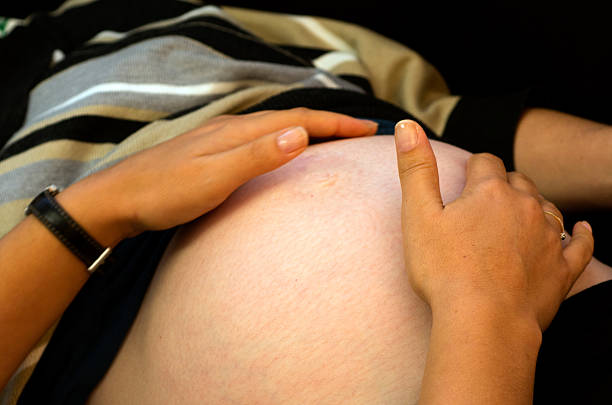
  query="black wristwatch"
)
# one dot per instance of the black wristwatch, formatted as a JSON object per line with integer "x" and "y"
{"x": 67, "y": 230}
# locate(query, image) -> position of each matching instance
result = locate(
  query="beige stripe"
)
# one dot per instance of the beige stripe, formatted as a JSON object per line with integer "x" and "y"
{"x": 67, "y": 5}
{"x": 325, "y": 36}
{"x": 328, "y": 60}
{"x": 110, "y": 111}
{"x": 339, "y": 63}
{"x": 106, "y": 36}
{"x": 62, "y": 149}
{"x": 11, "y": 214}
{"x": 33, "y": 357}
{"x": 12, "y": 390}
{"x": 397, "y": 74}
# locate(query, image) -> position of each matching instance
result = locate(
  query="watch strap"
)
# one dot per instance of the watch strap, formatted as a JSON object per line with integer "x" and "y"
{"x": 66, "y": 229}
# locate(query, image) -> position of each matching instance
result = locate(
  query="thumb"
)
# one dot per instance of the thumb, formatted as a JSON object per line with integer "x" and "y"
{"x": 418, "y": 171}
{"x": 261, "y": 155}
{"x": 579, "y": 251}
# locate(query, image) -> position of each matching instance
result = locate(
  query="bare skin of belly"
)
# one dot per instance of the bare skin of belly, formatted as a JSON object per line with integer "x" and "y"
{"x": 292, "y": 291}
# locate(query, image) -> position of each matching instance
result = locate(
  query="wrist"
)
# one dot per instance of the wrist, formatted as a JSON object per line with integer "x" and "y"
{"x": 94, "y": 205}
{"x": 490, "y": 317}
{"x": 478, "y": 354}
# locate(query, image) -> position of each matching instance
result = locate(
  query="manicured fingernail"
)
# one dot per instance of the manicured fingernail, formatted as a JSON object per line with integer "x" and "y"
{"x": 587, "y": 226}
{"x": 371, "y": 124}
{"x": 292, "y": 139}
{"x": 406, "y": 134}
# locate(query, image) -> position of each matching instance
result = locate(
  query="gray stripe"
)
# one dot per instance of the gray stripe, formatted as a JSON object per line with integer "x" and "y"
{"x": 171, "y": 60}
{"x": 29, "y": 180}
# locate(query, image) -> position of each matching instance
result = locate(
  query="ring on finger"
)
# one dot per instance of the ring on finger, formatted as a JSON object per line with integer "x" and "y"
{"x": 563, "y": 235}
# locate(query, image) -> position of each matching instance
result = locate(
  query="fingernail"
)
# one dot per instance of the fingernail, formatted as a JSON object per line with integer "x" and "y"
{"x": 587, "y": 226}
{"x": 371, "y": 124}
{"x": 406, "y": 134}
{"x": 292, "y": 139}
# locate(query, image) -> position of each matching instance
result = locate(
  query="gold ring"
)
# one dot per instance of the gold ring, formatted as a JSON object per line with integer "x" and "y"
{"x": 563, "y": 234}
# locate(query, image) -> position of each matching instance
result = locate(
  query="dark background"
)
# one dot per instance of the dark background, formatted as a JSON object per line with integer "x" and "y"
{"x": 562, "y": 52}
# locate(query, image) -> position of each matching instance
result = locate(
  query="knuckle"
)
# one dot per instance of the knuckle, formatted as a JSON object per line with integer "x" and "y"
{"x": 302, "y": 116}
{"x": 493, "y": 186}
{"x": 415, "y": 167}
{"x": 531, "y": 206}
{"x": 522, "y": 177}
{"x": 219, "y": 122}
{"x": 488, "y": 156}
{"x": 300, "y": 112}
{"x": 512, "y": 176}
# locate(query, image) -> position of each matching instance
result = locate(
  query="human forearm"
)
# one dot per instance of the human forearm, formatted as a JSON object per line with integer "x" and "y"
{"x": 567, "y": 157}
{"x": 480, "y": 356}
{"x": 40, "y": 276}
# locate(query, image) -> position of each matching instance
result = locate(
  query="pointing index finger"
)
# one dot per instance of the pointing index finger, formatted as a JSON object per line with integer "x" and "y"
{"x": 418, "y": 172}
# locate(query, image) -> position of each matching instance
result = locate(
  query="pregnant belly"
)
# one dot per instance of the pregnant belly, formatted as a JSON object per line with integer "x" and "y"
{"x": 292, "y": 291}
